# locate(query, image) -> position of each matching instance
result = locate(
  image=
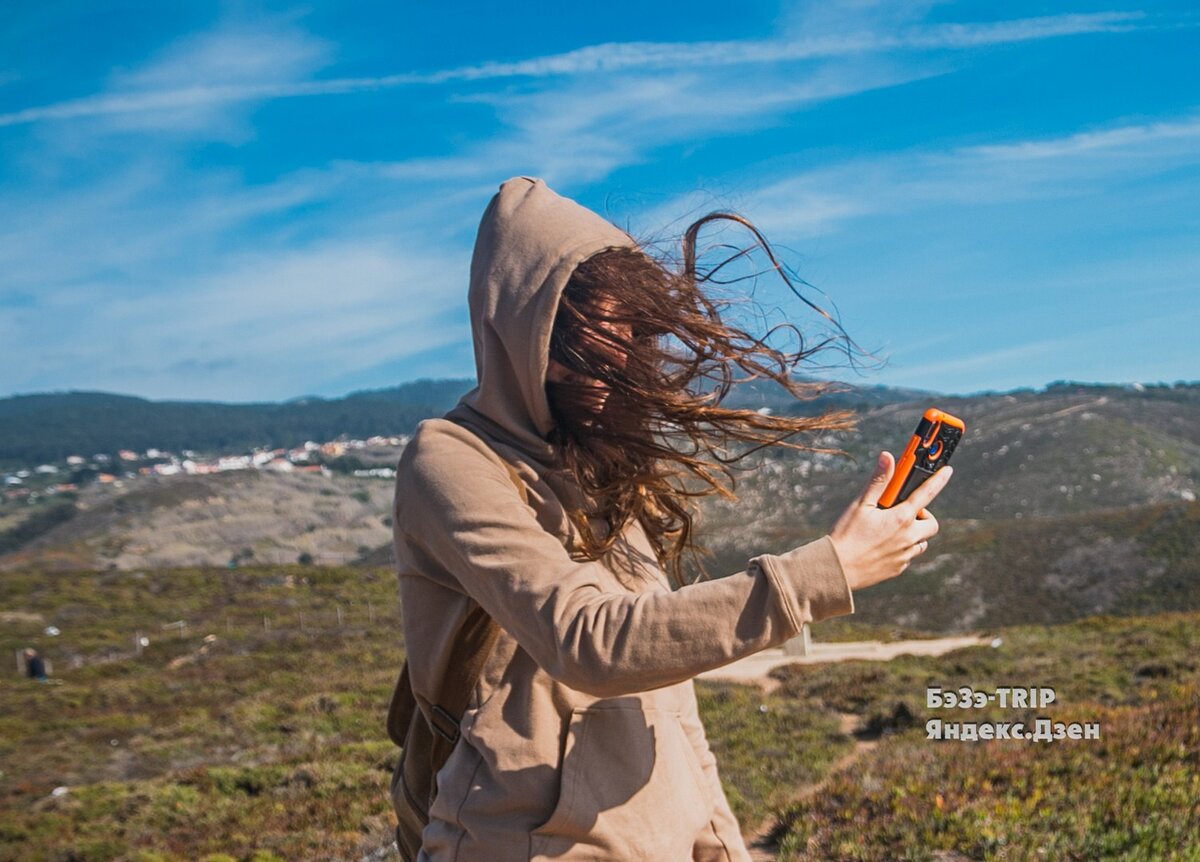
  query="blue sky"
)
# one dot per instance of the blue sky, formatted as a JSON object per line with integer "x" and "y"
{"x": 245, "y": 202}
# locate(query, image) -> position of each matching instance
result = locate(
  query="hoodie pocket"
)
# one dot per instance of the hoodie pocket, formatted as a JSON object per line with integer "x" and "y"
{"x": 631, "y": 787}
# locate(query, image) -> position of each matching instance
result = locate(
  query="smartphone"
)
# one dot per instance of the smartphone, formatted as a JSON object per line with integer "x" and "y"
{"x": 929, "y": 449}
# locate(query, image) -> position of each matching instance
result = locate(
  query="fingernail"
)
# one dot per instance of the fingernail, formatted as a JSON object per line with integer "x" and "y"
{"x": 881, "y": 461}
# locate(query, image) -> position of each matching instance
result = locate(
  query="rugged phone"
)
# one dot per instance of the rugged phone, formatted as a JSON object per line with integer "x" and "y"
{"x": 930, "y": 448}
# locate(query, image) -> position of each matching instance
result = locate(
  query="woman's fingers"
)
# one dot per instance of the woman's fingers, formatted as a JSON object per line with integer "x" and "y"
{"x": 879, "y": 479}
{"x": 928, "y": 489}
{"x": 875, "y": 544}
{"x": 923, "y": 528}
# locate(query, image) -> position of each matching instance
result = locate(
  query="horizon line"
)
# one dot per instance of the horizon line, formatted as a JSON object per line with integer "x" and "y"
{"x": 473, "y": 381}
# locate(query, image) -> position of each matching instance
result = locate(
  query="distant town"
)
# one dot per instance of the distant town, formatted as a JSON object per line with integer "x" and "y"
{"x": 46, "y": 479}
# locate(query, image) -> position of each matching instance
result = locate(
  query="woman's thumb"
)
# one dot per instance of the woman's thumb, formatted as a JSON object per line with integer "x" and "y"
{"x": 879, "y": 479}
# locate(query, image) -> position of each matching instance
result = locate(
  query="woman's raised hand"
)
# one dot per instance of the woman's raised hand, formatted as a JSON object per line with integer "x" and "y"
{"x": 876, "y": 544}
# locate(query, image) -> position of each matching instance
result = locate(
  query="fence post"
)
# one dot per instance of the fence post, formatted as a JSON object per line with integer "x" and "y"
{"x": 799, "y": 645}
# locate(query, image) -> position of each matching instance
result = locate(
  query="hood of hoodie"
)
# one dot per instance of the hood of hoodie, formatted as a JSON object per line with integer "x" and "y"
{"x": 529, "y": 242}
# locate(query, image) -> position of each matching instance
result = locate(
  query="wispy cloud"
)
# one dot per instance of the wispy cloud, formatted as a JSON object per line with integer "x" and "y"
{"x": 1120, "y": 138}
{"x": 272, "y": 269}
{"x": 1003, "y": 357}
{"x": 583, "y": 129}
{"x": 228, "y": 69}
{"x": 974, "y": 364}
{"x": 610, "y": 57}
{"x": 147, "y": 217}
{"x": 265, "y": 322}
{"x": 819, "y": 201}
{"x": 185, "y": 85}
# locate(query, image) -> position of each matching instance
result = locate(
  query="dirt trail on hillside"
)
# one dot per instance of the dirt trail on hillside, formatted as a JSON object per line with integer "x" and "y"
{"x": 754, "y": 668}
{"x": 762, "y": 840}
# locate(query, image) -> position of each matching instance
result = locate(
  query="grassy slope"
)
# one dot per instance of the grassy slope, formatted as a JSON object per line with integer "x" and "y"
{"x": 204, "y": 519}
{"x": 262, "y": 738}
{"x": 1133, "y": 794}
{"x": 271, "y": 741}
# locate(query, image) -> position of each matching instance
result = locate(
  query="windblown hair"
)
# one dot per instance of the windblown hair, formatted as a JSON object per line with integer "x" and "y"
{"x": 660, "y": 424}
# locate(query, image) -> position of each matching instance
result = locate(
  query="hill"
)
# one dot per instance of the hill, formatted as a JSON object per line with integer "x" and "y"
{"x": 253, "y": 515}
{"x": 50, "y": 426}
{"x": 1072, "y": 501}
{"x": 256, "y": 730}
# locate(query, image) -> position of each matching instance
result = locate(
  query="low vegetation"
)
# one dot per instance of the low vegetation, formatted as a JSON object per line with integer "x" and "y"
{"x": 1132, "y": 794}
{"x": 255, "y": 732}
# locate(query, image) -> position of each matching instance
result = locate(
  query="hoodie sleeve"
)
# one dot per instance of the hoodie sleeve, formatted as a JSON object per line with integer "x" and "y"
{"x": 462, "y": 518}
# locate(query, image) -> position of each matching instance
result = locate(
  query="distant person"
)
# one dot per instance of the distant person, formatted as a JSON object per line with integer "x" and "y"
{"x": 582, "y": 738}
{"x": 35, "y": 666}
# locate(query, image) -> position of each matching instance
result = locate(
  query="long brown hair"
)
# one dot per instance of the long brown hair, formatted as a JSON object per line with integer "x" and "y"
{"x": 657, "y": 427}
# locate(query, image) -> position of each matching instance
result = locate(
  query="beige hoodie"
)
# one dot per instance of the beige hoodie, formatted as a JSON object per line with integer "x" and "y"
{"x": 582, "y": 739}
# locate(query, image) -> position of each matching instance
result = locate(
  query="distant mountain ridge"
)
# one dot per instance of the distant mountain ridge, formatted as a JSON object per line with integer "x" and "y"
{"x": 50, "y": 426}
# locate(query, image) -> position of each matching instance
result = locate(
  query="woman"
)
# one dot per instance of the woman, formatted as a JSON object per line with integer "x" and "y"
{"x": 582, "y": 738}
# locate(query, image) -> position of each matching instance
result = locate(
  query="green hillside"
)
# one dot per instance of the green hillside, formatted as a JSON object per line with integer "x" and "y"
{"x": 1131, "y": 794}
{"x": 264, "y": 740}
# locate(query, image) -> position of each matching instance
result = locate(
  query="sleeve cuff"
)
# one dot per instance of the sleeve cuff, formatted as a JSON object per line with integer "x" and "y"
{"x": 810, "y": 583}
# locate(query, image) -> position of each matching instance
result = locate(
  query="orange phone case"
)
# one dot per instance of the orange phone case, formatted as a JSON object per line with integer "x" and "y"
{"x": 930, "y": 448}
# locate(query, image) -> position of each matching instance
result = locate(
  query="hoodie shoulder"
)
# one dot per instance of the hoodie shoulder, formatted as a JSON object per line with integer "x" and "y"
{"x": 441, "y": 446}
{"x": 446, "y": 480}
{"x": 441, "y": 438}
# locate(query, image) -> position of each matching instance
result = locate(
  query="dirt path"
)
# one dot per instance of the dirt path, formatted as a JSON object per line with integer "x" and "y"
{"x": 754, "y": 669}
{"x": 762, "y": 841}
